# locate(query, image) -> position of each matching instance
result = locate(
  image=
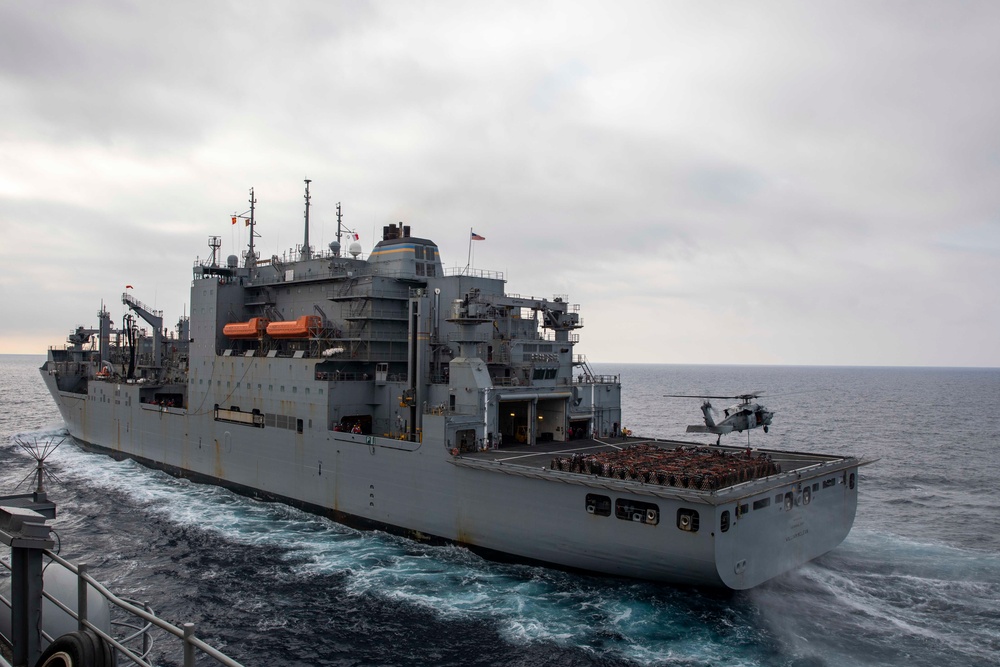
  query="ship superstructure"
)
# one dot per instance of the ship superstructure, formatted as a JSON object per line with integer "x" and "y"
{"x": 387, "y": 391}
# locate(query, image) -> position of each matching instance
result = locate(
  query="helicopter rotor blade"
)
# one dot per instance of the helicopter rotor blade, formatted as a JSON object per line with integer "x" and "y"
{"x": 697, "y": 396}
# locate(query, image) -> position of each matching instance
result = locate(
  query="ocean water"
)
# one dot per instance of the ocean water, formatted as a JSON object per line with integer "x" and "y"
{"x": 917, "y": 582}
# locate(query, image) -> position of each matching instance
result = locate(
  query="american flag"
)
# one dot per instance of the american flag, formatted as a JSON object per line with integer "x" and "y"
{"x": 477, "y": 237}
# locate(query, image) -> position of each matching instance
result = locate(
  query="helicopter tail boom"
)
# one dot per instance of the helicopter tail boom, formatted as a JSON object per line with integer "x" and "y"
{"x": 718, "y": 430}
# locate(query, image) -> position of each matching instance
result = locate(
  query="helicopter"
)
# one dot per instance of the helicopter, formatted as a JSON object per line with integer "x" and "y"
{"x": 743, "y": 416}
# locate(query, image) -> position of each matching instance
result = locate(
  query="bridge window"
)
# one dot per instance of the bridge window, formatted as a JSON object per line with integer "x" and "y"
{"x": 762, "y": 503}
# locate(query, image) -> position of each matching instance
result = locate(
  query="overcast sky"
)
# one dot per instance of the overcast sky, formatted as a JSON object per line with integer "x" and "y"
{"x": 735, "y": 182}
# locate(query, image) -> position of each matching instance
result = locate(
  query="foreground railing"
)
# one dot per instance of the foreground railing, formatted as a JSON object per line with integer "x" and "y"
{"x": 186, "y": 632}
{"x": 26, "y": 533}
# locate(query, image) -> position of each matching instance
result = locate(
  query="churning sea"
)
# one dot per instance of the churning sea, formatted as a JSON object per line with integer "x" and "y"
{"x": 917, "y": 582}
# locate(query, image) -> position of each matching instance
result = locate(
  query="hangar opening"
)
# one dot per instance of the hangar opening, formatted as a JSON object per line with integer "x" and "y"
{"x": 527, "y": 419}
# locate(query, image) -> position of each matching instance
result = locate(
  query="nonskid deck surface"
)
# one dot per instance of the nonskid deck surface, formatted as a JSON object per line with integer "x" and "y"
{"x": 669, "y": 463}
{"x": 540, "y": 455}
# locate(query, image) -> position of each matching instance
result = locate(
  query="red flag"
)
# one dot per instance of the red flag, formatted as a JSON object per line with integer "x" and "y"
{"x": 129, "y": 287}
{"x": 234, "y": 219}
{"x": 356, "y": 237}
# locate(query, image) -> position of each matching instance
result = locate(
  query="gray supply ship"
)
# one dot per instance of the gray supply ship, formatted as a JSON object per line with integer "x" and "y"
{"x": 388, "y": 392}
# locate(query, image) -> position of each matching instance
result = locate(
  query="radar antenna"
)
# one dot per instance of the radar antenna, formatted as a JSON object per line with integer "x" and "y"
{"x": 215, "y": 242}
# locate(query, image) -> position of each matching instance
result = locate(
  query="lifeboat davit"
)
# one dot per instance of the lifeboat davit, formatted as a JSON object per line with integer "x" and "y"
{"x": 299, "y": 328}
{"x": 245, "y": 330}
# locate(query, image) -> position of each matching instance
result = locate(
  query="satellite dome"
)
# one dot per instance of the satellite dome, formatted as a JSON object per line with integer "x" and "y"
{"x": 335, "y": 247}
{"x": 232, "y": 261}
{"x": 355, "y": 249}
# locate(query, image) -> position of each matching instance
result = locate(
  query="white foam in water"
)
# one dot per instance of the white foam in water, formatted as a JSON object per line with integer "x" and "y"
{"x": 526, "y": 604}
{"x": 897, "y": 590}
{"x": 915, "y": 583}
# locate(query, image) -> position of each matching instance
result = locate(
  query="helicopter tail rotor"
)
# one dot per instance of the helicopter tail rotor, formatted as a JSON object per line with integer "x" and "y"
{"x": 709, "y": 412}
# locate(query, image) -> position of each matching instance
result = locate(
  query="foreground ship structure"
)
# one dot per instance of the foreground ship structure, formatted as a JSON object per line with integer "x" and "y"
{"x": 388, "y": 392}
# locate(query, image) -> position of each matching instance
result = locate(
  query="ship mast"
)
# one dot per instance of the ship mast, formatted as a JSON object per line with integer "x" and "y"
{"x": 251, "y": 258}
{"x": 338, "y": 229}
{"x": 306, "y": 253}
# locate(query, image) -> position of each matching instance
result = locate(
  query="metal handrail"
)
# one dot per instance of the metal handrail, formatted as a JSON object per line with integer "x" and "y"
{"x": 185, "y": 633}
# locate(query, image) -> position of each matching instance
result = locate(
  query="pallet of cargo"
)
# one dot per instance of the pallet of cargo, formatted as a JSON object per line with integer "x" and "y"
{"x": 687, "y": 467}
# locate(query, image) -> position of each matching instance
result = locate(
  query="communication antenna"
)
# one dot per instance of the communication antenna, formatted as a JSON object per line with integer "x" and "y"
{"x": 306, "y": 252}
{"x": 39, "y": 452}
{"x": 251, "y": 257}
{"x": 340, "y": 218}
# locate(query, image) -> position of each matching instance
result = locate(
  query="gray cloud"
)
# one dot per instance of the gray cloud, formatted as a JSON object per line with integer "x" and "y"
{"x": 775, "y": 183}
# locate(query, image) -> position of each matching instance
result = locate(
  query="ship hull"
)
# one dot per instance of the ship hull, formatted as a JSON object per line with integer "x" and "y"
{"x": 501, "y": 509}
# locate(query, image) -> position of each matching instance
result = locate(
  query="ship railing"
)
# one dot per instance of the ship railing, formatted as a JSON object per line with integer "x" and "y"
{"x": 474, "y": 273}
{"x": 279, "y": 277}
{"x": 336, "y": 376}
{"x": 550, "y": 337}
{"x": 512, "y": 381}
{"x": 355, "y": 376}
{"x": 458, "y": 337}
{"x": 513, "y": 295}
{"x": 443, "y": 409}
{"x": 597, "y": 379}
{"x": 139, "y": 619}
{"x": 351, "y": 291}
{"x": 130, "y": 300}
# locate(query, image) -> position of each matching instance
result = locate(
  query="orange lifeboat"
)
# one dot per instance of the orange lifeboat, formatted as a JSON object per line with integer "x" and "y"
{"x": 246, "y": 330}
{"x": 299, "y": 328}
